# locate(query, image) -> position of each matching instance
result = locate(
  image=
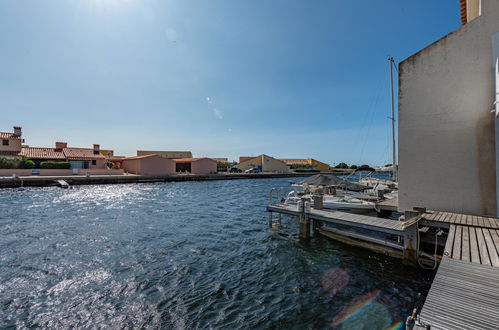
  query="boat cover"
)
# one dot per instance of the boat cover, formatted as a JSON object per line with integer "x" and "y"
{"x": 332, "y": 180}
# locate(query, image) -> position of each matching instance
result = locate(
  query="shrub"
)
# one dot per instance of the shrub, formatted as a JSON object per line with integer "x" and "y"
{"x": 16, "y": 162}
{"x": 341, "y": 165}
{"x": 27, "y": 163}
{"x": 353, "y": 167}
{"x": 55, "y": 165}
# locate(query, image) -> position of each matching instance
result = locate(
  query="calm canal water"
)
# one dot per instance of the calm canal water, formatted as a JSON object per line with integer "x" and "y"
{"x": 182, "y": 256}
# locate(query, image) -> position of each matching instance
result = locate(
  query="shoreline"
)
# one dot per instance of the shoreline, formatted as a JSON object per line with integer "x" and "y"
{"x": 48, "y": 181}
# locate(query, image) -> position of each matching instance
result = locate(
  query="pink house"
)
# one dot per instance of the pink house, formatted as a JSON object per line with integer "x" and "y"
{"x": 148, "y": 165}
{"x": 196, "y": 165}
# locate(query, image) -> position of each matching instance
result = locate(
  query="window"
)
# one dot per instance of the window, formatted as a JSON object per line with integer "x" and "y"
{"x": 94, "y": 162}
{"x": 5, "y": 142}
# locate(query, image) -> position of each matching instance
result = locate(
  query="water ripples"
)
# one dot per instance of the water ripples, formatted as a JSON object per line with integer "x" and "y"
{"x": 184, "y": 255}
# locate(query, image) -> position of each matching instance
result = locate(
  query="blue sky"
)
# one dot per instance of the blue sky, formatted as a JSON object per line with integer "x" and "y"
{"x": 221, "y": 78}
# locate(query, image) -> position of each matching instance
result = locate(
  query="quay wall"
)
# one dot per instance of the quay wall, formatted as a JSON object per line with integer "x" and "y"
{"x": 5, "y": 172}
{"x": 446, "y": 130}
{"x": 39, "y": 181}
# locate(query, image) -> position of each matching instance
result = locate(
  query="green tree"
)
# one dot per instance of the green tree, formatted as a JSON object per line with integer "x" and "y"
{"x": 342, "y": 165}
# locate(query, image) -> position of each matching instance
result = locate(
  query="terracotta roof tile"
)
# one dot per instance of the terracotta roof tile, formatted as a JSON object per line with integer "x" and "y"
{"x": 41, "y": 153}
{"x": 81, "y": 154}
{"x": 140, "y": 157}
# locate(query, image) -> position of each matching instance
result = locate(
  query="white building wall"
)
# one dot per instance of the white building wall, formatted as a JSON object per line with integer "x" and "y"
{"x": 446, "y": 131}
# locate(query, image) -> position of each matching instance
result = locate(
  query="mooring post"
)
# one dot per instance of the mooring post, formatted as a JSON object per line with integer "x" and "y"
{"x": 304, "y": 220}
{"x": 270, "y": 219}
{"x": 318, "y": 205}
{"x": 410, "y": 238}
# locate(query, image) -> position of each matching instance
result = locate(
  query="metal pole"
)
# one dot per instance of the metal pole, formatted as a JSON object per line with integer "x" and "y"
{"x": 394, "y": 165}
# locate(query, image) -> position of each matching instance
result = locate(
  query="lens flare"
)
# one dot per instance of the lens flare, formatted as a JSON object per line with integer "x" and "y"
{"x": 335, "y": 280}
{"x": 355, "y": 307}
{"x": 397, "y": 326}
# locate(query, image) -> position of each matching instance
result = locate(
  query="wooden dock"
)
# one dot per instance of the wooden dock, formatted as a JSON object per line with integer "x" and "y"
{"x": 473, "y": 244}
{"x": 344, "y": 218}
{"x": 465, "y": 291}
{"x": 463, "y": 295}
{"x": 448, "y": 218}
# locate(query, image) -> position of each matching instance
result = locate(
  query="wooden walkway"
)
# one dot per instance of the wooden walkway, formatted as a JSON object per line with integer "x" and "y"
{"x": 463, "y": 295}
{"x": 344, "y": 218}
{"x": 475, "y": 244}
{"x": 461, "y": 219}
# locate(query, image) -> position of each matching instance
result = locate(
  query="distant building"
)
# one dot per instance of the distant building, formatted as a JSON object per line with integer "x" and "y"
{"x": 11, "y": 142}
{"x": 78, "y": 157}
{"x": 107, "y": 153}
{"x": 196, "y": 165}
{"x": 448, "y": 145}
{"x": 147, "y": 165}
{"x": 306, "y": 163}
{"x": 266, "y": 163}
{"x": 166, "y": 154}
{"x": 222, "y": 160}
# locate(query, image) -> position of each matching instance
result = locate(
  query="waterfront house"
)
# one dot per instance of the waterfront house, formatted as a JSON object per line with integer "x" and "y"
{"x": 266, "y": 163}
{"x": 166, "y": 154}
{"x": 196, "y": 165}
{"x": 448, "y": 136}
{"x": 307, "y": 163}
{"x": 148, "y": 165}
{"x": 11, "y": 142}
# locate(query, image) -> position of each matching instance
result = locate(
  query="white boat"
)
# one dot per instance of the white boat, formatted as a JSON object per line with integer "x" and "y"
{"x": 348, "y": 203}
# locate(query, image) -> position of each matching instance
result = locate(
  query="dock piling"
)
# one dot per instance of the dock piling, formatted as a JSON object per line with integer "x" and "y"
{"x": 304, "y": 219}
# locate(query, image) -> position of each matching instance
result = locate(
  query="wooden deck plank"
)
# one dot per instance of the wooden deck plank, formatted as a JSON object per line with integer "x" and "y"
{"x": 468, "y": 220}
{"x": 343, "y": 218}
{"x": 456, "y": 250}
{"x": 482, "y": 222}
{"x": 495, "y": 238}
{"x": 482, "y": 248}
{"x": 465, "y": 244}
{"x": 463, "y": 295}
{"x": 494, "y": 223}
{"x": 439, "y": 217}
{"x": 493, "y": 253}
{"x": 449, "y": 244}
{"x": 475, "y": 255}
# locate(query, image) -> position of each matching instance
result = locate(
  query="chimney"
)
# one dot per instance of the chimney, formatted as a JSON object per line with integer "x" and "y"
{"x": 96, "y": 148}
{"x": 17, "y": 131}
{"x": 61, "y": 145}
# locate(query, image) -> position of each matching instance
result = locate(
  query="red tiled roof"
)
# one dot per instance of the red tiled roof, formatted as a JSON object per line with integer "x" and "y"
{"x": 81, "y": 154}
{"x": 41, "y": 153}
{"x": 189, "y": 160}
{"x": 9, "y": 153}
{"x": 139, "y": 157}
{"x": 7, "y": 135}
{"x": 295, "y": 161}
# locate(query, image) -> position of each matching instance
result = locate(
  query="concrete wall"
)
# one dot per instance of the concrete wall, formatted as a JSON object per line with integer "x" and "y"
{"x": 204, "y": 166}
{"x": 97, "y": 171}
{"x": 446, "y": 131}
{"x": 154, "y": 165}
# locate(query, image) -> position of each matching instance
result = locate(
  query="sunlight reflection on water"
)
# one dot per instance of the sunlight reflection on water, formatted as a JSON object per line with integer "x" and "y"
{"x": 184, "y": 255}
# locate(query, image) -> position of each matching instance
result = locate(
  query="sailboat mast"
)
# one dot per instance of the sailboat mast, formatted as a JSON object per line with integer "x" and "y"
{"x": 394, "y": 163}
